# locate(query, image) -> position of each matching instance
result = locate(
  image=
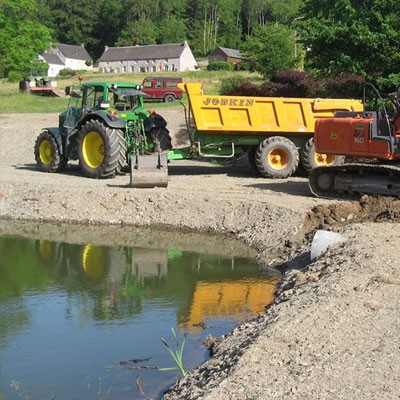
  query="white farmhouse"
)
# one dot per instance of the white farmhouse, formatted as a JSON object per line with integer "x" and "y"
{"x": 66, "y": 56}
{"x": 151, "y": 58}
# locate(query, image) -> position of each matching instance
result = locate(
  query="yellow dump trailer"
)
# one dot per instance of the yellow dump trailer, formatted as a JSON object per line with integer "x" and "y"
{"x": 276, "y": 132}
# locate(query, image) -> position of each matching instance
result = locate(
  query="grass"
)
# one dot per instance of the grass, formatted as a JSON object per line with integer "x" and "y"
{"x": 11, "y": 101}
{"x": 177, "y": 354}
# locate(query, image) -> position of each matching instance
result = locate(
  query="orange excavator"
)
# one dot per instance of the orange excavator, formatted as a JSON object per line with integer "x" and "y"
{"x": 371, "y": 139}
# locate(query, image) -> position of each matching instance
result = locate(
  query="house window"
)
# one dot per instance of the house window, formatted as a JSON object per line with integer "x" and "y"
{"x": 154, "y": 68}
{"x": 132, "y": 68}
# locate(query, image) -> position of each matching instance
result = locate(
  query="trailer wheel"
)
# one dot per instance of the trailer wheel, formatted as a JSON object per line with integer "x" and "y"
{"x": 47, "y": 154}
{"x": 251, "y": 155}
{"x": 310, "y": 159}
{"x": 277, "y": 157}
{"x": 161, "y": 139}
{"x": 99, "y": 150}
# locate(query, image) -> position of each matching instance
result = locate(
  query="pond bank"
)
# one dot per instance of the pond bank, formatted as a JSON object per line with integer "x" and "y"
{"x": 333, "y": 330}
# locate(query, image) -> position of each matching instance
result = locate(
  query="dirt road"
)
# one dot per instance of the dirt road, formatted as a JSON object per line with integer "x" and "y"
{"x": 332, "y": 332}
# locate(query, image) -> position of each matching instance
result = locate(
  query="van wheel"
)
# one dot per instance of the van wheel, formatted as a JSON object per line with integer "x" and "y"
{"x": 169, "y": 98}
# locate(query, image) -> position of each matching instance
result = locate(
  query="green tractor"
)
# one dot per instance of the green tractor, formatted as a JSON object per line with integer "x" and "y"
{"x": 106, "y": 128}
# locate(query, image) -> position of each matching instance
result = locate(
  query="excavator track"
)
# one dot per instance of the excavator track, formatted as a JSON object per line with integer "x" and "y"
{"x": 351, "y": 181}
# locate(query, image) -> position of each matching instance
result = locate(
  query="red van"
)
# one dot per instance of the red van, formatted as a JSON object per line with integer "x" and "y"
{"x": 162, "y": 88}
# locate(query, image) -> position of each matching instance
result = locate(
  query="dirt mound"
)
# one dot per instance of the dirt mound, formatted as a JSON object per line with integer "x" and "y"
{"x": 368, "y": 209}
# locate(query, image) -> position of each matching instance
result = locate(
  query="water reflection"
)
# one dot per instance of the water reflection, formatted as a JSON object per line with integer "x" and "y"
{"x": 71, "y": 312}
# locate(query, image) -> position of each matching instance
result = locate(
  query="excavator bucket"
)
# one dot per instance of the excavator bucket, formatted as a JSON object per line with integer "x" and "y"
{"x": 150, "y": 170}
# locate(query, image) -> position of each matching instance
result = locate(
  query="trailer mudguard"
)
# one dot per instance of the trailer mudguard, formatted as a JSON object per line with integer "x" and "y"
{"x": 154, "y": 121}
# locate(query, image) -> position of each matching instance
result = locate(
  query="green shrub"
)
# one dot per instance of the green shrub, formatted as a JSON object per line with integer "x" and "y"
{"x": 229, "y": 85}
{"x": 14, "y": 76}
{"x": 221, "y": 66}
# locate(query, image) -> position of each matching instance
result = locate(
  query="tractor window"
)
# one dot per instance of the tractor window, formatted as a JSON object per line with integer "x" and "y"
{"x": 94, "y": 97}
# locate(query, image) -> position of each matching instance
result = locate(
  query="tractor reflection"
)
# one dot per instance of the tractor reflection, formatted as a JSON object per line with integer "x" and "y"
{"x": 117, "y": 281}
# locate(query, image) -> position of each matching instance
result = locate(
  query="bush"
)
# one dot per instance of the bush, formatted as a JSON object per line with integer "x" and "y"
{"x": 67, "y": 72}
{"x": 230, "y": 86}
{"x": 301, "y": 84}
{"x": 221, "y": 66}
{"x": 344, "y": 86}
{"x": 14, "y": 76}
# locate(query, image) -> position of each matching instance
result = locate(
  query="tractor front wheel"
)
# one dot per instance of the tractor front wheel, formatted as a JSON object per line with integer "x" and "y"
{"x": 99, "y": 150}
{"x": 277, "y": 157}
{"x": 310, "y": 159}
{"x": 47, "y": 153}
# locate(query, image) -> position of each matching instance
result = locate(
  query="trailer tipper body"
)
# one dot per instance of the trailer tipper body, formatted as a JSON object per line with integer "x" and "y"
{"x": 275, "y": 132}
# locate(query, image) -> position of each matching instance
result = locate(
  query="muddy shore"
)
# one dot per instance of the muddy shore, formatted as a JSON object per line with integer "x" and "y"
{"x": 332, "y": 332}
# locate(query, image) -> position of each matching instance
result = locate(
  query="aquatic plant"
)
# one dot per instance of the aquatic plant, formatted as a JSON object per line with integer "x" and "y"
{"x": 176, "y": 354}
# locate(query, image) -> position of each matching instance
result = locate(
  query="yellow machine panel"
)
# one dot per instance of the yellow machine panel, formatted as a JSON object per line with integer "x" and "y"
{"x": 217, "y": 114}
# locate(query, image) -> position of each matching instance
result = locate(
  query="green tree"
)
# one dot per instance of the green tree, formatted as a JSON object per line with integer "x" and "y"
{"x": 109, "y": 25}
{"x": 172, "y": 30}
{"x": 74, "y": 22}
{"x": 359, "y": 37}
{"x": 270, "y": 49}
{"x": 22, "y": 36}
{"x": 140, "y": 32}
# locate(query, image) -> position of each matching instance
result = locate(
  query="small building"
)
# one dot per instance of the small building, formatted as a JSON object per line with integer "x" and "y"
{"x": 66, "y": 56}
{"x": 225, "y": 54}
{"x": 149, "y": 59}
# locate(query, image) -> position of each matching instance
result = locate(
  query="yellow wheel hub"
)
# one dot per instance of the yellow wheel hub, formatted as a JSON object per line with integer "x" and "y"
{"x": 46, "y": 152}
{"x": 93, "y": 149}
{"x": 93, "y": 261}
{"x": 324, "y": 159}
{"x": 278, "y": 158}
{"x": 46, "y": 250}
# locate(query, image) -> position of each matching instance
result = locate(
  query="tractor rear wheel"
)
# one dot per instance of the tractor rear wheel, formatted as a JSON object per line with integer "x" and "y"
{"x": 99, "y": 150}
{"x": 277, "y": 157}
{"x": 310, "y": 159}
{"x": 47, "y": 153}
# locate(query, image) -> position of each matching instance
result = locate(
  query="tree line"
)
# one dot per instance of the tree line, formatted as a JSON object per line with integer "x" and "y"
{"x": 325, "y": 37}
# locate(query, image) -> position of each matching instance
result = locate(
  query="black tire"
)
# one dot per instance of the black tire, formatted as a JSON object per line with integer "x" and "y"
{"x": 277, "y": 157}
{"x": 251, "y": 155}
{"x": 47, "y": 154}
{"x": 310, "y": 159}
{"x": 169, "y": 98}
{"x": 161, "y": 139}
{"x": 99, "y": 150}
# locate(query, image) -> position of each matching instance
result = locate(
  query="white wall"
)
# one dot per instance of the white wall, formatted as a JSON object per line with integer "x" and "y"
{"x": 77, "y": 64}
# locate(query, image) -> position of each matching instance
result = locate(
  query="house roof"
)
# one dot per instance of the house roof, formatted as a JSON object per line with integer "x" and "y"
{"x": 229, "y": 52}
{"x": 52, "y": 58}
{"x": 74, "y": 52}
{"x": 156, "y": 51}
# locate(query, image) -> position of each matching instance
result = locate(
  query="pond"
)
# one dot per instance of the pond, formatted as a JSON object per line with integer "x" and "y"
{"x": 85, "y": 320}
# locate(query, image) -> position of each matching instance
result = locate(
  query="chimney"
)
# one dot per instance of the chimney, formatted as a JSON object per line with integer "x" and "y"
{"x": 105, "y": 48}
